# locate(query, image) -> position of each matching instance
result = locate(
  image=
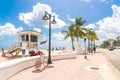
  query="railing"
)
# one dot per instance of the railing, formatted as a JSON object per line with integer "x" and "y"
{"x": 15, "y": 44}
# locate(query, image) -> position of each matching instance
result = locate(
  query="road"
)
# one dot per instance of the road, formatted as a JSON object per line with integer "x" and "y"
{"x": 112, "y": 56}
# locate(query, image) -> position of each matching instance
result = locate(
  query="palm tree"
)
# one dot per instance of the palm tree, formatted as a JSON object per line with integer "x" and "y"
{"x": 70, "y": 33}
{"x": 93, "y": 38}
{"x": 91, "y": 35}
{"x": 117, "y": 41}
{"x": 118, "y": 38}
{"x": 105, "y": 44}
{"x": 88, "y": 35}
{"x": 79, "y": 22}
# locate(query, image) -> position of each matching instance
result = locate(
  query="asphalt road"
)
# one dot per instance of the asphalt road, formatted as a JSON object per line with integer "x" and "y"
{"x": 113, "y": 57}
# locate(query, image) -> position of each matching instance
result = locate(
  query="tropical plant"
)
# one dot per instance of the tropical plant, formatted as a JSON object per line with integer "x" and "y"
{"x": 94, "y": 37}
{"x": 70, "y": 33}
{"x": 105, "y": 44}
{"x": 118, "y": 38}
{"x": 117, "y": 41}
{"x": 91, "y": 36}
{"x": 79, "y": 22}
{"x": 76, "y": 30}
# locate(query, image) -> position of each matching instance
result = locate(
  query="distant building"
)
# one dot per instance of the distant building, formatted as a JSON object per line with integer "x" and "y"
{"x": 111, "y": 42}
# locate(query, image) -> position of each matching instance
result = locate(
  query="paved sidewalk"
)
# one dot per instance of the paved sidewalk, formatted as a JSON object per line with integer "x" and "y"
{"x": 93, "y": 68}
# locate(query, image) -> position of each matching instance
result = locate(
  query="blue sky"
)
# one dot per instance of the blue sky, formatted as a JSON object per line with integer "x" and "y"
{"x": 18, "y": 15}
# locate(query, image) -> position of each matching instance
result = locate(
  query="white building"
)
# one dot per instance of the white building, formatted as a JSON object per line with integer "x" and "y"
{"x": 29, "y": 39}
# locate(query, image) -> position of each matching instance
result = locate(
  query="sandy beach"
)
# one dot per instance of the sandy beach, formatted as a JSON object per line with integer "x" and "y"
{"x": 112, "y": 56}
{"x": 3, "y": 59}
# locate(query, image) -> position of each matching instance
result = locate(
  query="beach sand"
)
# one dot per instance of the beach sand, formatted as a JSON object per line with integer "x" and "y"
{"x": 3, "y": 59}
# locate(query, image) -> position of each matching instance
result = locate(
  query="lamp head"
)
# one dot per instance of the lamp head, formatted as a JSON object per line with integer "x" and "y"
{"x": 53, "y": 21}
{"x": 45, "y": 17}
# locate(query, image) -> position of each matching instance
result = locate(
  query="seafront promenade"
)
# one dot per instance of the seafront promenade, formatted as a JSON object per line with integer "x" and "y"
{"x": 95, "y": 67}
{"x": 113, "y": 57}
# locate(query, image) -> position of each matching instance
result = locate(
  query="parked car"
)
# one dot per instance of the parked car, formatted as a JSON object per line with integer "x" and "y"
{"x": 111, "y": 49}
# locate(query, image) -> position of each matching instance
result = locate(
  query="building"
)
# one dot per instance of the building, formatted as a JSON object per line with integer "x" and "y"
{"x": 29, "y": 39}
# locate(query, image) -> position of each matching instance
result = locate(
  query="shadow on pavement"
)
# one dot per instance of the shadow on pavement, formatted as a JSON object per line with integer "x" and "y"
{"x": 37, "y": 71}
{"x": 50, "y": 66}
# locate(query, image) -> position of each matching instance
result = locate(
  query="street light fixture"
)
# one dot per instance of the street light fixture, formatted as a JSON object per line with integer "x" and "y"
{"x": 48, "y": 16}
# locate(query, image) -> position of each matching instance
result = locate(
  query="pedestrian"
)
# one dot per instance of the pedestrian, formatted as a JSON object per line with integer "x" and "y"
{"x": 94, "y": 49}
{"x": 91, "y": 50}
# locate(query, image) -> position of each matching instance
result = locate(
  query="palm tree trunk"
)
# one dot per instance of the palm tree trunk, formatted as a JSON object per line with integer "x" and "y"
{"x": 77, "y": 38}
{"x": 85, "y": 44}
{"x": 72, "y": 44}
{"x": 89, "y": 45}
{"x": 94, "y": 43}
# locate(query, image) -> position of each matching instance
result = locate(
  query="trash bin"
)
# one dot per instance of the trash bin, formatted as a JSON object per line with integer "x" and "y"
{"x": 23, "y": 51}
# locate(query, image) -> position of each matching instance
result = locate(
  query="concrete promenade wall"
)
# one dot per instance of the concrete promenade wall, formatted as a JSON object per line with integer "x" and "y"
{"x": 10, "y": 68}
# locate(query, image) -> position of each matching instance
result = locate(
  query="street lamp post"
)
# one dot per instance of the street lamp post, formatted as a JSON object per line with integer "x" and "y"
{"x": 85, "y": 49}
{"x": 85, "y": 44}
{"x": 45, "y": 17}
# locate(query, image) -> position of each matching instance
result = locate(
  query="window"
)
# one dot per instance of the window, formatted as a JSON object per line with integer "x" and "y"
{"x": 33, "y": 38}
{"x": 23, "y": 38}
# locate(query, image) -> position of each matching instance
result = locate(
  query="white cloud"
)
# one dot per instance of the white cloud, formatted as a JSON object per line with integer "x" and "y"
{"x": 58, "y": 36}
{"x": 34, "y": 18}
{"x": 90, "y": 26}
{"x": 9, "y": 30}
{"x": 19, "y": 29}
{"x": 70, "y": 19}
{"x": 108, "y": 27}
{"x": 44, "y": 37}
{"x": 37, "y": 29}
{"x": 116, "y": 11}
{"x": 58, "y": 40}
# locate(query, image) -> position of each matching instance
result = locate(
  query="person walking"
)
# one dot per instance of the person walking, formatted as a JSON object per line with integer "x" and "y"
{"x": 94, "y": 49}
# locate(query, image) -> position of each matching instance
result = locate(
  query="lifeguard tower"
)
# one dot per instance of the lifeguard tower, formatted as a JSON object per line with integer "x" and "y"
{"x": 29, "y": 39}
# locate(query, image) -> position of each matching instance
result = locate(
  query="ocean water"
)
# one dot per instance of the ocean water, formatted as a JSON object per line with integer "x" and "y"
{"x": 5, "y": 49}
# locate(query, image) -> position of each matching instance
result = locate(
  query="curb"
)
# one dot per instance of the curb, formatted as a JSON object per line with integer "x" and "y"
{"x": 115, "y": 71}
